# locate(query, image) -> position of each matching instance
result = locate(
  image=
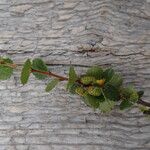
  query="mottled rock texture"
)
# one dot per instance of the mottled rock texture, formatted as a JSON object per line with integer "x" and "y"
{"x": 61, "y": 31}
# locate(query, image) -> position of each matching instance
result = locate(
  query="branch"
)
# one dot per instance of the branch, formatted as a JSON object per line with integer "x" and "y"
{"x": 140, "y": 101}
{"x": 9, "y": 65}
{"x": 61, "y": 78}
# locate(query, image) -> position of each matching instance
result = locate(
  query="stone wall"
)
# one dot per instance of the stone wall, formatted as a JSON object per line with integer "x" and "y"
{"x": 60, "y": 32}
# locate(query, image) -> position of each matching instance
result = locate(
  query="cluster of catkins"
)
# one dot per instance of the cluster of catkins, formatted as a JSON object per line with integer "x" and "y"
{"x": 94, "y": 87}
{"x": 101, "y": 89}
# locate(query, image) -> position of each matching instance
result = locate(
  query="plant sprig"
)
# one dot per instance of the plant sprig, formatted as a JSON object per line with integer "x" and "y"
{"x": 99, "y": 88}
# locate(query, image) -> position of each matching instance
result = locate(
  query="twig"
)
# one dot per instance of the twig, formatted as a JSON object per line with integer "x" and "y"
{"x": 61, "y": 78}
{"x": 140, "y": 101}
{"x": 9, "y": 65}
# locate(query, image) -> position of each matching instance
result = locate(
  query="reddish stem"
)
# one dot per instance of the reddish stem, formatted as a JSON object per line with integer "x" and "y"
{"x": 140, "y": 101}
{"x": 61, "y": 78}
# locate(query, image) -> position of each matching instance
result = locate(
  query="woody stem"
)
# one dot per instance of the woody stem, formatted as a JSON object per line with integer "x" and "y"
{"x": 61, "y": 78}
{"x": 140, "y": 101}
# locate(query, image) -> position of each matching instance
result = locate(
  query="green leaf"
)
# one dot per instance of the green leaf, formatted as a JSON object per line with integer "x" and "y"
{"x": 25, "y": 73}
{"x": 134, "y": 97}
{"x": 111, "y": 92}
{"x": 87, "y": 80}
{"x": 95, "y": 71}
{"x": 51, "y": 85}
{"x": 116, "y": 80}
{"x": 143, "y": 108}
{"x": 129, "y": 93}
{"x": 38, "y": 64}
{"x": 106, "y": 106}
{"x": 5, "y": 71}
{"x": 140, "y": 93}
{"x": 72, "y": 88}
{"x": 146, "y": 112}
{"x": 108, "y": 74}
{"x": 72, "y": 77}
{"x": 6, "y": 60}
{"x": 126, "y": 92}
{"x": 125, "y": 104}
{"x": 91, "y": 101}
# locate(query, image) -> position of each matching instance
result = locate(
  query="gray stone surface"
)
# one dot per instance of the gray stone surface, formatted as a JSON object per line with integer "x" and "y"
{"x": 61, "y": 31}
